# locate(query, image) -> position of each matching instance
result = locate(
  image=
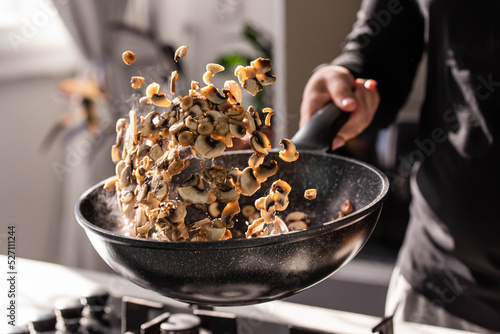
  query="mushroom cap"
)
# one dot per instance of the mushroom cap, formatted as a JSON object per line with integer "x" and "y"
{"x": 247, "y": 182}
{"x": 194, "y": 194}
{"x": 207, "y": 147}
{"x": 260, "y": 143}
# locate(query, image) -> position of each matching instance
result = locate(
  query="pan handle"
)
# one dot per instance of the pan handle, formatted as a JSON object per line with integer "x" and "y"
{"x": 320, "y": 130}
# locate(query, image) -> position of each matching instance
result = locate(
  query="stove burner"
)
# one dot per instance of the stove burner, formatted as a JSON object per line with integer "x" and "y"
{"x": 181, "y": 324}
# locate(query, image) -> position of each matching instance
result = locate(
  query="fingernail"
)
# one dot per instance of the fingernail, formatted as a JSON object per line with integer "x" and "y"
{"x": 337, "y": 143}
{"x": 346, "y": 101}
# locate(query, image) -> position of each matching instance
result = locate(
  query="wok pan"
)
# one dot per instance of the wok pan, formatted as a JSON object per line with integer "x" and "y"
{"x": 248, "y": 271}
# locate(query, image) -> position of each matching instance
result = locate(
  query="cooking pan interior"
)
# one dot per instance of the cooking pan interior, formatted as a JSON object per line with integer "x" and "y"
{"x": 246, "y": 271}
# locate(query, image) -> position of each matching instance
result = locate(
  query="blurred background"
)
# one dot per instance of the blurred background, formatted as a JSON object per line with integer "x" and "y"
{"x": 63, "y": 85}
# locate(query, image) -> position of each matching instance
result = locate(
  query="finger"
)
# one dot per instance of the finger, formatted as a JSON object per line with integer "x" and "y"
{"x": 342, "y": 92}
{"x": 311, "y": 103}
{"x": 361, "y": 117}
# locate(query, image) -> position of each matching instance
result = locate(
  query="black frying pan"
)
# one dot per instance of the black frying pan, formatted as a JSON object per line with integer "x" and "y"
{"x": 248, "y": 271}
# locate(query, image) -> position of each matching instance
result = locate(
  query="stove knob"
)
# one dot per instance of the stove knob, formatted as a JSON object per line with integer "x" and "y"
{"x": 97, "y": 297}
{"x": 69, "y": 312}
{"x": 17, "y": 330}
{"x": 44, "y": 322}
{"x": 181, "y": 323}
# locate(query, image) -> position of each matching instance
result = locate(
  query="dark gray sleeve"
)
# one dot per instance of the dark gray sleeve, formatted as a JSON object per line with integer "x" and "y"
{"x": 386, "y": 44}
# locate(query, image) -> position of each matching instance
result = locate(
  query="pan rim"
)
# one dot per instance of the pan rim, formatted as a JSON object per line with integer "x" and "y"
{"x": 292, "y": 236}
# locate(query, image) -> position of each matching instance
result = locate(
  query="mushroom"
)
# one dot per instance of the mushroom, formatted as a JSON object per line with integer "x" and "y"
{"x": 186, "y": 102}
{"x": 173, "y": 80}
{"x": 295, "y": 216}
{"x": 206, "y": 128}
{"x": 281, "y": 187}
{"x": 128, "y": 57}
{"x": 193, "y": 180}
{"x": 297, "y": 225}
{"x": 289, "y": 152}
{"x": 181, "y": 52}
{"x": 237, "y": 129}
{"x": 252, "y": 86}
{"x": 232, "y": 90}
{"x": 213, "y": 210}
{"x": 261, "y": 65}
{"x": 227, "y": 194}
{"x": 263, "y": 171}
{"x": 213, "y": 95}
{"x": 185, "y": 138}
{"x": 131, "y": 134}
{"x": 276, "y": 201}
{"x": 136, "y": 82}
{"x": 191, "y": 123}
{"x": 160, "y": 100}
{"x": 260, "y": 143}
{"x": 265, "y": 79}
{"x": 148, "y": 126}
{"x": 269, "y": 113}
{"x": 194, "y": 195}
{"x": 247, "y": 182}
{"x": 215, "y": 233}
{"x": 145, "y": 100}
{"x": 153, "y": 88}
{"x": 208, "y": 148}
{"x": 142, "y": 193}
{"x": 159, "y": 188}
{"x": 231, "y": 209}
{"x": 255, "y": 160}
{"x": 178, "y": 213}
{"x": 119, "y": 168}
{"x": 255, "y": 228}
{"x": 110, "y": 183}
{"x": 310, "y": 194}
{"x": 279, "y": 226}
{"x": 248, "y": 210}
{"x": 115, "y": 154}
{"x": 260, "y": 203}
{"x": 346, "y": 207}
{"x": 214, "y": 68}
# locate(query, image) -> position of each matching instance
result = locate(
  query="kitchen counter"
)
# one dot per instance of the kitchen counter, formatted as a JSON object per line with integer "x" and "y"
{"x": 40, "y": 284}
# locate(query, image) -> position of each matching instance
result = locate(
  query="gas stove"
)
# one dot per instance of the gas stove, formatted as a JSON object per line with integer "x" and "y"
{"x": 51, "y": 296}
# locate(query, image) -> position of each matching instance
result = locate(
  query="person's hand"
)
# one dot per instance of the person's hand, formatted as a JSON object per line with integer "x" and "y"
{"x": 360, "y": 97}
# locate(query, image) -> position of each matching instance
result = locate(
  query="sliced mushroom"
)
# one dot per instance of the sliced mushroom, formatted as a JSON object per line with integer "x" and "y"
{"x": 136, "y": 82}
{"x": 194, "y": 194}
{"x": 110, "y": 183}
{"x": 212, "y": 94}
{"x": 260, "y": 143}
{"x": 255, "y": 160}
{"x": 213, "y": 210}
{"x": 281, "y": 187}
{"x": 185, "y": 138}
{"x": 234, "y": 90}
{"x": 248, "y": 210}
{"x": 289, "y": 152}
{"x": 229, "y": 212}
{"x": 346, "y": 207}
{"x": 208, "y": 148}
{"x": 263, "y": 171}
{"x": 128, "y": 57}
{"x": 148, "y": 126}
{"x": 119, "y": 168}
{"x": 205, "y": 128}
{"x": 255, "y": 228}
{"x": 131, "y": 134}
{"x": 160, "y": 100}
{"x": 297, "y": 225}
{"x": 145, "y": 100}
{"x": 142, "y": 193}
{"x": 238, "y": 129}
{"x": 215, "y": 233}
{"x": 193, "y": 180}
{"x": 186, "y": 102}
{"x": 191, "y": 123}
{"x": 227, "y": 195}
{"x": 159, "y": 188}
{"x": 178, "y": 213}
{"x": 214, "y": 68}
{"x": 241, "y": 73}
{"x": 153, "y": 88}
{"x": 252, "y": 86}
{"x": 295, "y": 216}
{"x": 181, "y": 52}
{"x": 310, "y": 194}
{"x": 261, "y": 65}
{"x": 260, "y": 203}
{"x": 115, "y": 154}
{"x": 269, "y": 113}
{"x": 173, "y": 80}
{"x": 279, "y": 226}
{"x": 265, "y": 79}
{"x": 276, "y": 201}
{"x": 247, "y": 182}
